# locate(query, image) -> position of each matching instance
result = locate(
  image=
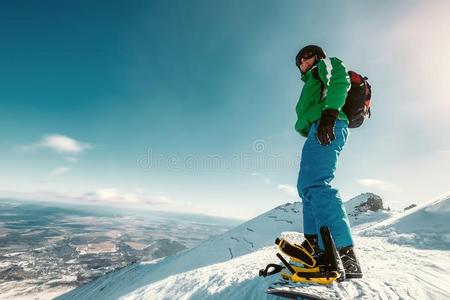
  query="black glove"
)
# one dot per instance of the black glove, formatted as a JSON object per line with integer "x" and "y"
{"x": 325, "y": 130}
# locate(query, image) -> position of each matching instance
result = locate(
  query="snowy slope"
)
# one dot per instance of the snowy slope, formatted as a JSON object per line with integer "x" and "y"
{"x": 245, "y": 238}
{"x": 425, "y": 226}
{"x": 226, "y": 267}
{"x": 416, "y": 274}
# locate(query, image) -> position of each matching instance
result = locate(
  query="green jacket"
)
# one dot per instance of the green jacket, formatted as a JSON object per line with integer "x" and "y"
{"x": 336, "y": 81}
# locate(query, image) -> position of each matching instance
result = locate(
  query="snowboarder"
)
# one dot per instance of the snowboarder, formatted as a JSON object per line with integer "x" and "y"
{"x": 325, "y": 126}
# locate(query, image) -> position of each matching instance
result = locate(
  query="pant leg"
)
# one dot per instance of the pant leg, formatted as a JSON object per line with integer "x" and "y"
{"x": 322, "y": 201}
{"x": 309, "y": 220}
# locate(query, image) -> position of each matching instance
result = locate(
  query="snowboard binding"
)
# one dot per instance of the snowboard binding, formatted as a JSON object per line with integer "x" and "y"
{"x": 322, "y": 268}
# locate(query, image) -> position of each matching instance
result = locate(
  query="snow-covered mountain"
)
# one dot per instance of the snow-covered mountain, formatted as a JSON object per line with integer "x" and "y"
{"x": 226, "y": 266}
{"x": 426, "y": 226}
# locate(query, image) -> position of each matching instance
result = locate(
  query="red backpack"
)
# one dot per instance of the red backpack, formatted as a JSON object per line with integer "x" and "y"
{"x": 357, "y": 103}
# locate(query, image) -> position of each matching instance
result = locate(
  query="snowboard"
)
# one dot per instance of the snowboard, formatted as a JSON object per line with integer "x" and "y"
{"x": 304, "y": 291}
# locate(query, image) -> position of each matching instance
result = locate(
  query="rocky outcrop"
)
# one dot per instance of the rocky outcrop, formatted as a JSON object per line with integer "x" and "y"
{"x": 373, "y": 203}
{"x": 409, "y": 207}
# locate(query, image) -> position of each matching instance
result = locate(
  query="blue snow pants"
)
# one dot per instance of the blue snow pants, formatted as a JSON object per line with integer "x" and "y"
{"x": 322, "y": 204}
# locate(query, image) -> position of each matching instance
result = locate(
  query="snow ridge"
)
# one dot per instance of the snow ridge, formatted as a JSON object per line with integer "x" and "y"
{"x": 426, "y": 226}
{"x": 226, "y": 266}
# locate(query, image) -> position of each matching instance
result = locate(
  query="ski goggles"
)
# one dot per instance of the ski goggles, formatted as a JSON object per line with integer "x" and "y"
{"x": 307, "y": 55}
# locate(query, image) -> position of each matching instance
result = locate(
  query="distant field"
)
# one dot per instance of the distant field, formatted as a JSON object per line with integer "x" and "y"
{"x": 44, "y": 246}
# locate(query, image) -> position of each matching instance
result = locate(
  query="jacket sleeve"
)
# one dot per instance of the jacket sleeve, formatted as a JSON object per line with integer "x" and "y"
{"x": 333, "y": 74}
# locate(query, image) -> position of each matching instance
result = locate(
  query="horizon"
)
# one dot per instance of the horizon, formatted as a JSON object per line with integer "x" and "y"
{"x": 99, "y": 206}
{"x": 190, "y": 108}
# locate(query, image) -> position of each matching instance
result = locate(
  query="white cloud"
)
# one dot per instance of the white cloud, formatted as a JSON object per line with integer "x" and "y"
{"x": 131, "y": 199}
{"x": 59, "y": 143}
{"x": 288, "y": 190}
{"x": 113, "y": 195}
{"x": 105, "y": 196}
{"x": 379, "y": 184}
{"x": 264, "y": 178}
{"x": 63, "y": 144}
{"x": 59, "y": 171}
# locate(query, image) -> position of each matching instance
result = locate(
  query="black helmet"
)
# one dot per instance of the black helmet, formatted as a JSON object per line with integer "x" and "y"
{"x": 308, "y": 52}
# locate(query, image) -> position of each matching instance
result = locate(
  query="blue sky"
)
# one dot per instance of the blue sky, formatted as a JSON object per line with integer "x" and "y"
{"x": 189, "y": 106}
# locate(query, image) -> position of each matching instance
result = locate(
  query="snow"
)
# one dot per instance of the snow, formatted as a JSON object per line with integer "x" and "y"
{"x": 64, "y": 279}
{"x": 226, "y": 266}
{"x": 426, "y": 226}
{"x": 29, "y": 292}
{"x": 12, "y": 254}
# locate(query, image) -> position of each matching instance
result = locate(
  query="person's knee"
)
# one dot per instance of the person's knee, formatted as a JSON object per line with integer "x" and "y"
{"x": 322, "y": 192}
{"x": 311, "y": 183}
{"x": 307, "y": 192}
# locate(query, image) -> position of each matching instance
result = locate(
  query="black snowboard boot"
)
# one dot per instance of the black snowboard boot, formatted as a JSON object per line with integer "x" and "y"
{"x": 311, "y": 244}
{"x": 350, "y": 263}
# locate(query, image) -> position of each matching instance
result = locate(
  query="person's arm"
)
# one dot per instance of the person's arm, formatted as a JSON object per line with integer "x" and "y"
{"x": 333, "y": 74}
{"x": 336, "y": 84}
